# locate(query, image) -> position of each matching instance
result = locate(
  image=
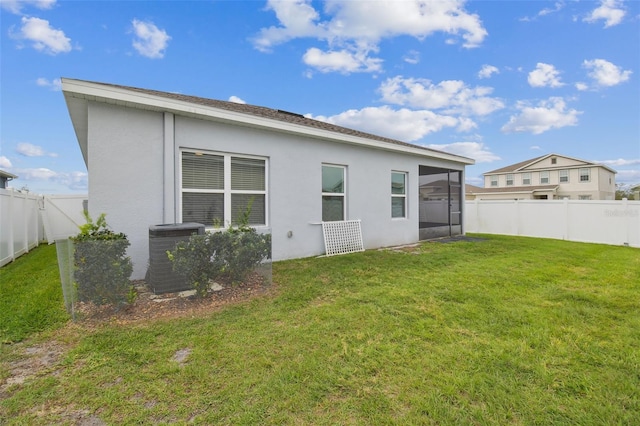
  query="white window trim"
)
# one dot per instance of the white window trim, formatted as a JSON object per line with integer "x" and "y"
{"x": 560, "y": 176}
{"x": 493, "y": 180}
{"x": 403, "y": 196}
{"x": 342, "y": 194}
{"x": 580, "y": 175}
{"x": 226, "y": 191}
{"x": 509, "y": 182}
{"x": 526, "y": 176}
{"x": 548, "y": 177}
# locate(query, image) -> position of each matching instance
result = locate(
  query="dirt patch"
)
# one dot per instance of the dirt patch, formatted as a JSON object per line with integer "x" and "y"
{"x": 149, "y": 306}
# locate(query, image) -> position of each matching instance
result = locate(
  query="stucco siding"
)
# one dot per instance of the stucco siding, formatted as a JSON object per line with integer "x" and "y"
{"x": 125, "y": 165}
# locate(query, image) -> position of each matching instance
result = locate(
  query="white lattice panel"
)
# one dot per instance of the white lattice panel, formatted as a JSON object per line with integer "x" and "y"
{"x": 342, "y": 237}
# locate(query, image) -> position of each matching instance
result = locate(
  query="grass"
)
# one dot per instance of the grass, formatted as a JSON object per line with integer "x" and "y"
{"x": 30, "y": 295}
{"x": 507, "y": 330}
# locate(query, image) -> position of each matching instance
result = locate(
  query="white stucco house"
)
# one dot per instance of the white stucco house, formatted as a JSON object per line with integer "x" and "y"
{"x": 159, "y": 158}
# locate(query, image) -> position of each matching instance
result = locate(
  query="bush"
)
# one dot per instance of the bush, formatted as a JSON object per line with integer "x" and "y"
{"x": 101, "y": 267}
{"x": 230, "y": 254}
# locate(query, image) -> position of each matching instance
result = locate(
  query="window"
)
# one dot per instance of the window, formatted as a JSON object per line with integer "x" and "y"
{"x": 218, "y": 188}
{"x": 494, "y": 180}
{"x": 584, "y": 197}
{"x": 509, "y": 179}
{"x": 554, "y": 160}
{"x": 564, "y": 176}
{"x": 333, "y": 193}
{"x": 398, "y": 194}
{"x": 544, "y": 177}
{"x": 526, "y": 178}
{"x": 585, "y": 175}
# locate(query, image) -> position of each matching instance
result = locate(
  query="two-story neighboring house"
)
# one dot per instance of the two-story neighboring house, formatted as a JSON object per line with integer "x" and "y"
{"x": 549, "y": 177}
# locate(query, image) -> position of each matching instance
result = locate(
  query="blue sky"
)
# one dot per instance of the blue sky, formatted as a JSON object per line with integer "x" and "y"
{"x": 497, "y": 81}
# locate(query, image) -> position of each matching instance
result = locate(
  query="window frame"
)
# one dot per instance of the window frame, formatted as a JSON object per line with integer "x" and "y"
{"x": 510, "y": 180}
{"x": 581, "y": 175}
{"x": 561, "y": 176}
{"x": 403, "y": 196}
{"x": 526, "y": 178}
{"x": 493, "y": 180}
{"x": 342, "y": 194}
{"x": 226, "y": 191}
{"x": 544, "y": 175}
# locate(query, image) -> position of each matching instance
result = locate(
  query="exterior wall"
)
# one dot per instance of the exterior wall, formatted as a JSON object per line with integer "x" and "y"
{"x": 130, "y": 148}
{"x": 601, "y": 185}
{"x": 125, "y": 174}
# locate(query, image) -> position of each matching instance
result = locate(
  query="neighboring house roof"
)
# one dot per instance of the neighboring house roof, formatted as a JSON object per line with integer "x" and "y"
{"x": 522, "y": 166}
{"x": 509, "y": 189}
{"x": 7, "y": 175}
{"x": 79, "y": 92}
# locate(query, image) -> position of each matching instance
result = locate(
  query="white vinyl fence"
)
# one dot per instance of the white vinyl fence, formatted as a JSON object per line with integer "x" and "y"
{"x": 26, "y": 220}
{"x": 607, "y": 222}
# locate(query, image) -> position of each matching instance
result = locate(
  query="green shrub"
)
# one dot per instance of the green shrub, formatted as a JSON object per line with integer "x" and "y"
{"x": 101, "y": 267}
{"x": 231, "y": 254}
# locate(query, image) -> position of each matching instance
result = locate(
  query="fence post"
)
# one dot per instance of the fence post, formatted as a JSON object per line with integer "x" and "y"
{"x": 566, "y": 219}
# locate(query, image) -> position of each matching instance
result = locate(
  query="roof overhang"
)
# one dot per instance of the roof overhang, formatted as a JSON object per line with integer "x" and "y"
{"x": 79, "y": 93}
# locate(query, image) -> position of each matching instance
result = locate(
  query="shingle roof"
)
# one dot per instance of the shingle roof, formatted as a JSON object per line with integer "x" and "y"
{"x": 514, "y": 167}
{"x": 274, "y": 114}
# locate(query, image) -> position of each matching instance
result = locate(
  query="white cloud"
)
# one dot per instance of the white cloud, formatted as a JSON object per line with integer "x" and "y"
{"x": 236, "y": 100}
{"x": 621, "y": 162}
{"x": 582, "y": 86}
{"x": 412, "y": 57}
{"x": 149, "y": 41}
{"x": 402, "y": 124}
{"x": 30, "y": 150}
{"x": 43, "y": 37}
{"x": 610, "y": 11}
{"x": 73, "y": 180}
{"x": 547, "y": 115}
{"x": 604, "y": 73}
{"x": 628, "y": 176}
{"x": 487, "y": 71}
{"x": 452, "y": 96}
{"x": 55, "y": 84}
{"x": 535, "y": 147}
{"x": 355, "y": 28}
{"x": 558, "y": 6}
{"x": 16, "y": 6}
{"x": 476, "y": 150}
{"x": 545, "y": 75}
{"x": 341, "y": 61}
{"x": 5, "y": 162}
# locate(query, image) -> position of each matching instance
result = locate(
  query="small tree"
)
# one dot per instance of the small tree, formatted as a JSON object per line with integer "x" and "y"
{"x": 101, "y": 267}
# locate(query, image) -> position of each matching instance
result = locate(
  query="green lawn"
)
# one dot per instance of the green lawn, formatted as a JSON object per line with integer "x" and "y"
{"x": 508, "y": 330}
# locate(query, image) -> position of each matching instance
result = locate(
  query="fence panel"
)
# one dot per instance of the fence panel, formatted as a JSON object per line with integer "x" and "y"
{"x": 26, "y": 220}
{"x": 606, "y": 222}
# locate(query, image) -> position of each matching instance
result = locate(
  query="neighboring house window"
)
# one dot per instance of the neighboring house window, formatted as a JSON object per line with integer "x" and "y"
{"x": 509, "y": 179}
{"x": 526, "y": 178}
{"x": 585, "y": 175}
{"x": 584, "y": 197}
{"x": 544, "y": 177}
{"x": 218, "y": 188}
{"x": 333, "y": 193}
{"x": 494, "y": 180}
{"x": 564, "y": 176}
{"x": 398, "y": 194}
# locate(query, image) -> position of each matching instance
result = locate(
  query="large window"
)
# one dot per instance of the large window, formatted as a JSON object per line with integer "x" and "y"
{"x": 563, "y": 176}
{"x": 585, "y": 175}
{"x": 510, "y": 179}
{"x": 526, "y": 178}
{"x": 494, "y": 180}
{"x": 544, "y": 178}
{"x": 398, "y": 194}
{"x": 333, "y": 193}
{"x": 218, "y": 188}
